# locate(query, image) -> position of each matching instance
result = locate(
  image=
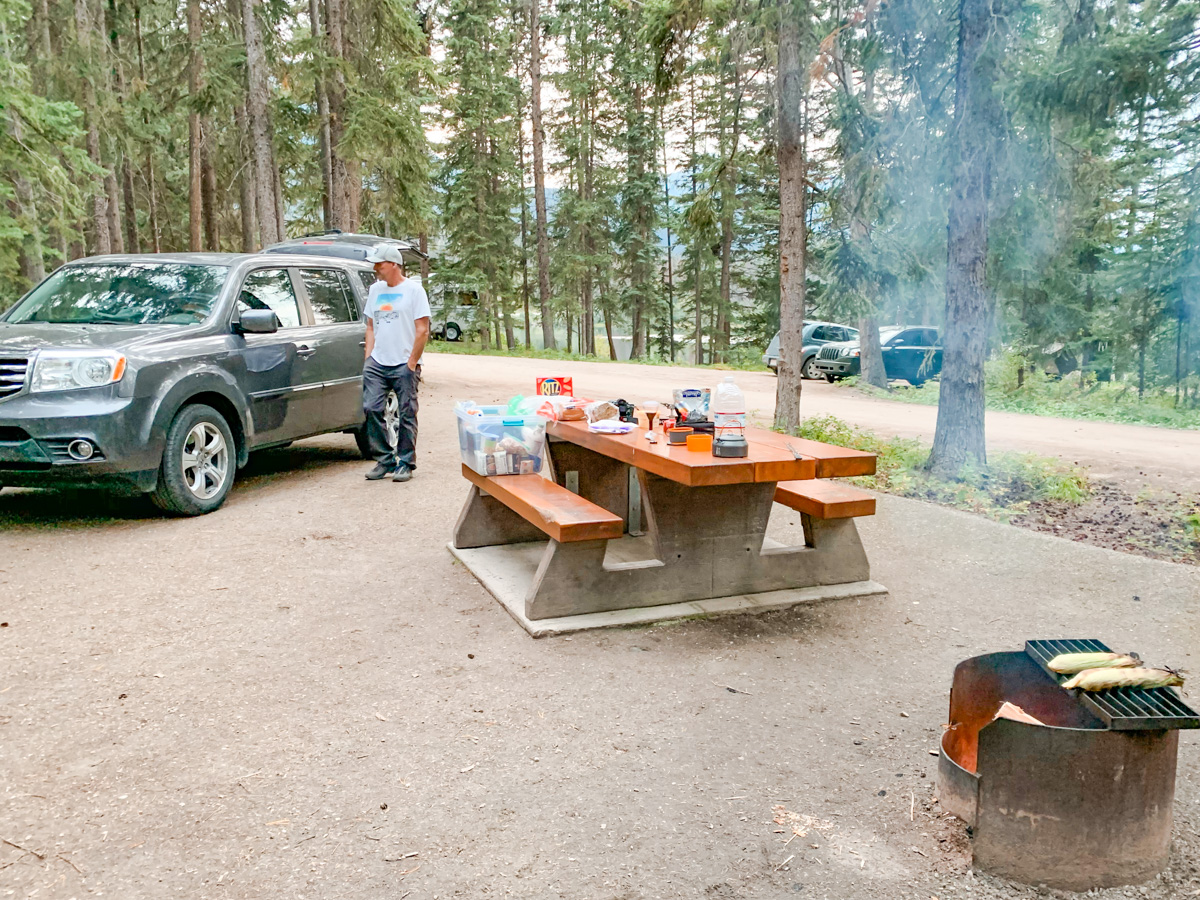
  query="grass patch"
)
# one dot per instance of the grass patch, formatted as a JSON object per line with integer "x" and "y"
{"x": 745, "y": 359}
{"x": 1003, "y": 489}
{"x": 1072, "y": 397}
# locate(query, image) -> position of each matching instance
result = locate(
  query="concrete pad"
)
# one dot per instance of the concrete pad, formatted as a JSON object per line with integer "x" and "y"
{"x": 507, "y": 572}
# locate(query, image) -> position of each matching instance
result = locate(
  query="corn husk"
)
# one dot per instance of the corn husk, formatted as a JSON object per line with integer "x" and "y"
{"x": 1012, "y": 711}
{"x": 1103, "y": 679}
{"x": 1070, "y": 663}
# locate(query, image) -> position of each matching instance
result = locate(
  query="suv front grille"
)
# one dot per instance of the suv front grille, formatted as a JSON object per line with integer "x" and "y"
{"x": 829, "y": 353}
{"x": 13, "y": 371}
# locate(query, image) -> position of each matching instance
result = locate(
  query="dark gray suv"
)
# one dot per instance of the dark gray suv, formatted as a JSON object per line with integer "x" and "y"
{"x": 163, "y": 372}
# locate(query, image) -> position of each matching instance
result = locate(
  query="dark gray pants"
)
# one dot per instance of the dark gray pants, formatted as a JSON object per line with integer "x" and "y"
{"x": 377, "y": 382}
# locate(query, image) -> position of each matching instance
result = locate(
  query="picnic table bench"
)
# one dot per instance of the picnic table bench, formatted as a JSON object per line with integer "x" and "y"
{"x": 626, "y": 524}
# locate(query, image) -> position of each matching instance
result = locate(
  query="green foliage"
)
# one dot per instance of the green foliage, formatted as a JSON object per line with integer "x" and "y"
{"x": 1076, "y": 396}
{"x": 1005, "y": 488}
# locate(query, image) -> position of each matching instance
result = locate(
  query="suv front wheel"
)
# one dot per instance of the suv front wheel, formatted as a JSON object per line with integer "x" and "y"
{"x": 198, "y": 463}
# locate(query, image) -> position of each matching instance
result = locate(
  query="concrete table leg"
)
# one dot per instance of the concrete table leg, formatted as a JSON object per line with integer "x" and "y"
{"x": 486, "y": 522}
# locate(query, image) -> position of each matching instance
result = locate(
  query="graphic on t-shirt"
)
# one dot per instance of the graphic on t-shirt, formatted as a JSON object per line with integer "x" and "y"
{"x": 385, "y": 313}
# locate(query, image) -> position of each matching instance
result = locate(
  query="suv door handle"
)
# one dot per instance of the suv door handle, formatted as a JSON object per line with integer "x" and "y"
{"x": 362, "y": 343}
{"x": 304, "y": 350}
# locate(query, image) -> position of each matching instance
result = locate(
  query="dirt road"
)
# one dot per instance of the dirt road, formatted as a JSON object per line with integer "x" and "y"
{"x": 304, "y": 697}
{"x": 1130, "y": 454}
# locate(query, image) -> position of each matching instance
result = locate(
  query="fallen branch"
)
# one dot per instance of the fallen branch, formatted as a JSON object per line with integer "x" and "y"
{"x": 40, "y": 856}
{"x": 69, "y": 863}
{"x": 732, "y": 690}
{"x": 785, "y": 862}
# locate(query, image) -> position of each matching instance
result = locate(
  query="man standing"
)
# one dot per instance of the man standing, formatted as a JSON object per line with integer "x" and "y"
{"x": 397, "y": 316}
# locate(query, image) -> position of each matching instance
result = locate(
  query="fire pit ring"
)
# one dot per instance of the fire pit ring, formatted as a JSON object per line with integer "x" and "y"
{"x": 1074, "y": 803}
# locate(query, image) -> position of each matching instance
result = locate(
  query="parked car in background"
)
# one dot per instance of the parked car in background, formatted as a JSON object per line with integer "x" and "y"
{"x": 347, "y": 245}
{"x": 814, "y": 337}
{"x": 913, "y": 354}
{"x": 162, "y": 372}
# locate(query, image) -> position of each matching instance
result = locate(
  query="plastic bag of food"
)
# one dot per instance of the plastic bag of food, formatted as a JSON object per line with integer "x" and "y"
{"x": 600, "y": 410}
{"x": 691, "y": 404}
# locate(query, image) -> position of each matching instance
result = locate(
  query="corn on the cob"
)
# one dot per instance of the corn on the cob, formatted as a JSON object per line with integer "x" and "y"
{"x": 1070, "y": 663}
{"x": 1103, "y": 679}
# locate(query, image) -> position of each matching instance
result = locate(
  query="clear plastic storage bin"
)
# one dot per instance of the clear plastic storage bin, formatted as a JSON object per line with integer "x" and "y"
{"x": 494, "y": 441}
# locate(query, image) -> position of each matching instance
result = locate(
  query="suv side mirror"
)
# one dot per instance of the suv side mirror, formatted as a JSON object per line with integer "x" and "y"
{"x": 257, "y": 321}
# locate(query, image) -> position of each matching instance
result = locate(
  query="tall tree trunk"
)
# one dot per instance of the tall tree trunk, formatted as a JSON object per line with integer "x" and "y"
{"x": 320, "y": 48}
{"x": 792, "y": 199}
{"x": 280, "y": 215}
{"x": 423, "y": 244}
{"x": 260, "y": 124}
{"x": 696, "y": 250}
{"x": 539, "y": 176}
{"x": 959, "y": 434}
{"x": 667, "y": 219}
{"x": 870, "y": 359}
{"x": 209, "y": 192}
{"x": 345, "y": 189}
{"x": 132, "y": 242}
{"x": 151, "y": 191}
{"x": 246, "y": 188}
{"x": 99, "y": 222}
{"x": 524, "y": 230}
{"x": 195, "y": 188}
{"x": 115, "y": 230}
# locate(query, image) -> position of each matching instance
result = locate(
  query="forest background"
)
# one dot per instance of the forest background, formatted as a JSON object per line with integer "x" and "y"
{"x": 657, "y": 131}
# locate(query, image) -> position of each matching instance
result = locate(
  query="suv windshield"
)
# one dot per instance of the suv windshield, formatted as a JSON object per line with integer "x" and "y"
{"x": 152, "y": 293}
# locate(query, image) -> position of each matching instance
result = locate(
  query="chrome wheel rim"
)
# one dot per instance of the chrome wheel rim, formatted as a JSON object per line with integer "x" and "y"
{"x": 205, "y": 461}
{"x": 391, "y": 419}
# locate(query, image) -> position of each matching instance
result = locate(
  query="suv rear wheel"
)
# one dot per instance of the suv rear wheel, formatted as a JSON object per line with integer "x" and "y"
{"x": 810, "y": 369}
{"x": 453, "y": 332}
{"x": 391, "y": 421}
{"x": 198, "y": 463}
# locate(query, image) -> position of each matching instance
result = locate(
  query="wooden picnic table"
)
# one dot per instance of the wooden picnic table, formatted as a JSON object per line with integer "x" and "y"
{"x": 623, "y": 523}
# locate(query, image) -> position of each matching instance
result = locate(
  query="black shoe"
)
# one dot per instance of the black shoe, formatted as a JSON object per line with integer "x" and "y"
{"x": 403, "y": 473}
{"x": 381, "y": 471}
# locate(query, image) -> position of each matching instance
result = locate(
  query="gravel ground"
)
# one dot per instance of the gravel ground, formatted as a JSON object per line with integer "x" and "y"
{"x": 304, "y": 696}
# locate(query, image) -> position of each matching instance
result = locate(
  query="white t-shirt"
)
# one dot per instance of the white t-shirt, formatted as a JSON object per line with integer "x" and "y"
{"x": 394, "y": 312}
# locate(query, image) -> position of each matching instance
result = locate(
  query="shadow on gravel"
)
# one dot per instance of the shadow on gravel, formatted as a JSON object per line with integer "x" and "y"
{"x": 72, "y": 507}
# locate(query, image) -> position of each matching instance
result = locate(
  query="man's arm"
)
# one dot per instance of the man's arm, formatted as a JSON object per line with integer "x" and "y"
{"x": 370, "y": 339}
{"x": 419, "y": 343}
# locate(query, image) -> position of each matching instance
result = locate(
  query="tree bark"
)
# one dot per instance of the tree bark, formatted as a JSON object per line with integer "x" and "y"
{"x": 195, "y": 188}
{"x": 423, "y": 244}
{"x": 209, "y": 192}
{"x": 539, "y": 176}
{"x": 101, "y": 234}
{"x": 115, "y": 231}
{"x": 345, "y": 191}
{"x": 246, "y": 189}
{"x": 132, "y": 242}
{"x": 871, "y": 369}
{"x": 151, "y": 192}
{"x": 314, "y": 17}
{"x": 260, "y": 124}
{"x": 792, "y": 199}
{"x": 959, "y": 434}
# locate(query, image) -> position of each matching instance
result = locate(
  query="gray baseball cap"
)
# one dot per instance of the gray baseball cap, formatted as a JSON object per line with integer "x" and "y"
{"x": 385, "y": 253}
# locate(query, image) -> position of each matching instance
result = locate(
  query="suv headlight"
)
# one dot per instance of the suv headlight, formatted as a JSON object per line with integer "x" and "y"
{"x": 68, "y": 370}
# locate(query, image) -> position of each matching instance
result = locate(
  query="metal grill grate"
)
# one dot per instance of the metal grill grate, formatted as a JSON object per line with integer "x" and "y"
{"x": 12, "y": 375}
{"x": 1122, "y": 709}
{"x": 829, "y": 352}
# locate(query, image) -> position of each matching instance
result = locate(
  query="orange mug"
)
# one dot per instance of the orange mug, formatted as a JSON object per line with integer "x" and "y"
{"x": 700, "y": 443}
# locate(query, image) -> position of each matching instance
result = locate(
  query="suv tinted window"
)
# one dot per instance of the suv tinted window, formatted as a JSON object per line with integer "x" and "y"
{"x": 329, "y": 296}
{"x": 271, "y": 289}
{"x": 368, "y": 278}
